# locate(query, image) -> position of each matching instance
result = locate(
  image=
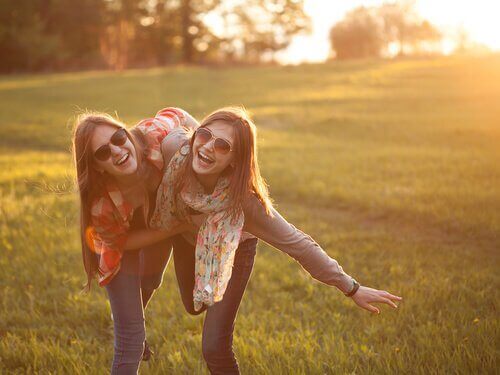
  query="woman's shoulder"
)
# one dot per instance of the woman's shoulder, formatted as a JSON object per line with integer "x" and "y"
{"x": 254, "y": 208}
{"x": 164, "y": 122}
{"x": 173, "y": 142}
{"x": 153, "y": 131}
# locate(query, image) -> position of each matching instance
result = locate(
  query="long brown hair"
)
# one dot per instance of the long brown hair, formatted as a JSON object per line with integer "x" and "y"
{"x": 245, "y": 177}
{"x": 91, "y": 183}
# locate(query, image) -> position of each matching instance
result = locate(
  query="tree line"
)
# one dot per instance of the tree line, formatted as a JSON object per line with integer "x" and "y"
{"x": 48, "y": 35}
{"x": 37, "y": 35}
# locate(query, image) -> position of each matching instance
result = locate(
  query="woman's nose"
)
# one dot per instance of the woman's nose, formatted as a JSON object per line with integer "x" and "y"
{"x": 115, "y": 150}
{"x": 210, "y": 145}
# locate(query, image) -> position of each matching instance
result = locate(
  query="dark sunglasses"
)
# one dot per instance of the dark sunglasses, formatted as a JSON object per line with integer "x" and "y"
{"x": 204, "y": 135}
{"x": 118, "y": 138}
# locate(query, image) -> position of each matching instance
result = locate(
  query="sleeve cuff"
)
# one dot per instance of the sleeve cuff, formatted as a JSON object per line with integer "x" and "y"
{"x": 345, "y": 284}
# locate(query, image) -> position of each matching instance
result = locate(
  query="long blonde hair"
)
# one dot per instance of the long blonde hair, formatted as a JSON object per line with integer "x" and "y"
{"x": 91, "y": 183}
{"x": 245, "y": 177}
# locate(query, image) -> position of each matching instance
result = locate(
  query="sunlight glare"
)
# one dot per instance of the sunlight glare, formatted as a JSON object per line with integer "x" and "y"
{"x": 478, "y": 19}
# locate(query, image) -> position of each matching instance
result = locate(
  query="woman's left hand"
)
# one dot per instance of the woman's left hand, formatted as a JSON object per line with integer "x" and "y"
{"x": 365, "y": 296}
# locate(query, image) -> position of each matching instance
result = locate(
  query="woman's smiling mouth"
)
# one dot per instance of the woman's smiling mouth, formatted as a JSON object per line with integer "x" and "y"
{"x": 205, "y": 159}
{"x": 123, "y": 159}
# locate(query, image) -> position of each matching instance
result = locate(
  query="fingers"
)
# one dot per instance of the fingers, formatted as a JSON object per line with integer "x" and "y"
{"x": 388, "y": 302}
{"x": 374, "y": 309}
{"x": 390, "y": 296}
{"x": 369, "y": 296}
{"x": 371, "y": 308}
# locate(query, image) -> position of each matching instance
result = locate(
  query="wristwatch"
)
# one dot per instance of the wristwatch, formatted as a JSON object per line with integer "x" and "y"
{"x": 355, "y": 287}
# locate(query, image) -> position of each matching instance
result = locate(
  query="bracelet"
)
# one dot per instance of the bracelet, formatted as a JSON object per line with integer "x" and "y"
{"x": 355, "y": 287}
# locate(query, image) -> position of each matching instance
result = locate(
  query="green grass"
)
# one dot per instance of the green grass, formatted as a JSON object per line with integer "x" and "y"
{"x": 394, "y": 167}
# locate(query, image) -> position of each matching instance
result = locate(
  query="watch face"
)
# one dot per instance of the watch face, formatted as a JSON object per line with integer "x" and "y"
{"x": 355, "y": 285}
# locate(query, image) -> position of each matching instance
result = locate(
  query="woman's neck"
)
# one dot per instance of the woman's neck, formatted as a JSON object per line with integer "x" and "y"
{"x": 208, "y": 182}
{"x": 132, "y": 189}
{"x": 127, "y": 182}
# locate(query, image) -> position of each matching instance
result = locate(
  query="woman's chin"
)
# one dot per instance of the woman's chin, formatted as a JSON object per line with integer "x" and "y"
{"x": 202, "y": 168}
{"x": 127, "y": 171}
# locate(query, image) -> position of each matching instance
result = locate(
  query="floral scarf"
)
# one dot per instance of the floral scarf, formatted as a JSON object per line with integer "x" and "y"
{"x": 218, "y": 237}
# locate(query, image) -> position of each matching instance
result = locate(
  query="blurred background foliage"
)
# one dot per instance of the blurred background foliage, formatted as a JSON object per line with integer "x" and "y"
{"x": 53, "y": 35}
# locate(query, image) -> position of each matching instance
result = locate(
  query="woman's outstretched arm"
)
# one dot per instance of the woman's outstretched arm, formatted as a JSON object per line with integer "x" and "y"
{"x": 279, "y": 233}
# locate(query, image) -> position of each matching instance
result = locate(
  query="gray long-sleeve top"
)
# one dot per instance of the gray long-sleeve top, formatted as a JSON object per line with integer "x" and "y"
{"x": 276, "y": 231}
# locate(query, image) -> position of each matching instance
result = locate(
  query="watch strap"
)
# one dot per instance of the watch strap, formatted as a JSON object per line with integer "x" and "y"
{"x": 355, "y": 287}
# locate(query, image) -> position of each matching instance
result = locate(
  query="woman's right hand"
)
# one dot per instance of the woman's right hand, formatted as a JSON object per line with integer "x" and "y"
{"x": 364, "y": 296}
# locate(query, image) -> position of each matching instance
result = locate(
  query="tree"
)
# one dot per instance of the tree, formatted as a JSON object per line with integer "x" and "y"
{"x": 254, "y": 30}
{"x": 49, "y": 34}
{"x": 154, "y": 39}
{"x": 77, "y": 29}
{"x": 62, "y": 34}
{"x": 122, "y": 19}
{"x": 196, "y": 36}
{"x": 358, "y": 35}
{"x": 370, "y": 32}
{"x": 405, "y": 27}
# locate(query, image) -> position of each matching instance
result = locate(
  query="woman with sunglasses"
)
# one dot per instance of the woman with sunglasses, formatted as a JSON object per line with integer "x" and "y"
{"x": 216, "y": 173}
{"x": 118, "y": 172}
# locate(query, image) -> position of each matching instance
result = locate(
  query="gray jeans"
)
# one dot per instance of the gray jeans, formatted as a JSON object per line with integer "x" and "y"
{"x": 141, "y": 272}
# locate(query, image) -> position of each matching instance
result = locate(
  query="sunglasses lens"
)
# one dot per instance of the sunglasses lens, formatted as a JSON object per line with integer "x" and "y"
{"x": 102, "y": 153}
{"x": 119, "y": 138}
{"x": 203, "y": 135}
{"x": 221, "y": 146}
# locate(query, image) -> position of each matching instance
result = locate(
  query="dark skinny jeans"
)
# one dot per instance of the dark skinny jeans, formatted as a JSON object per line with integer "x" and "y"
{"x": 218, "y": 327}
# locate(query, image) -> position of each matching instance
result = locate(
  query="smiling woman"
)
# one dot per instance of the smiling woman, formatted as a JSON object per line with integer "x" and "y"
{"x": 216, "y": 172}
{"x": 117, "y": 170}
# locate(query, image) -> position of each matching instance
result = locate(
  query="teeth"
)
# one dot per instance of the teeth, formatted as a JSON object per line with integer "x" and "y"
{"x": 205, "y": 156}
{"x": 122, "y": 159}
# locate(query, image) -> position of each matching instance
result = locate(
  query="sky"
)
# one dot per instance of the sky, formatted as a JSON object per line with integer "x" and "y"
{"x": 478, "y": 17}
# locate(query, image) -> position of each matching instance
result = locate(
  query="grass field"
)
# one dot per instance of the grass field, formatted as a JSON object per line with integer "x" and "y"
{"x": 393, "y": 167}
